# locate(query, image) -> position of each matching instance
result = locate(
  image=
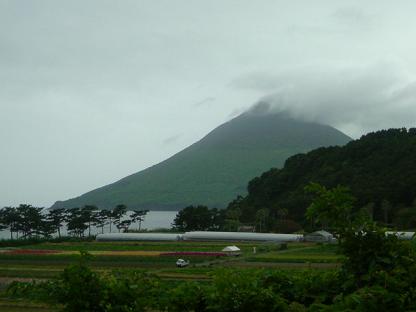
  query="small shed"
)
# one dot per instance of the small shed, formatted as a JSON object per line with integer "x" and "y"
{"x": 320, "y": 237}
{"x": 232, "y": 251}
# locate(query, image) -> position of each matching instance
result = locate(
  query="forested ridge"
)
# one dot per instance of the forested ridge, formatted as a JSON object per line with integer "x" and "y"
{"x": 379, "y": 168}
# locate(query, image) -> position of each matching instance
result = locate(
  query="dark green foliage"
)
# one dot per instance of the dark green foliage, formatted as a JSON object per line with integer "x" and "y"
{"x": 138, "y": 216}
{"x": 370, "y": 299}
{"x": 199, "y": 218}
{"x": 9, "y": 219}
{"x": 188, "y": 297}
{"x": 330, "y": 208}
{"x": 25, "y": 221}
{"x": 372, "y": 258}
{"x": 230, "y": 290}
{"x": 136, "y": 292}
{"x": 117, "y": 213}
{"x": 216, "y": 169}
{"x": 233, "y": 291}
{"x": 379, "y": 169}
{"x": 56, "y": 218}
{"x": 80, "y": 289}
{"x": 34, "y": 291}
{"x": 101, "y": 219}
{"x": 28, "y": 222}
{"x": 405, "y": 215}
{"x": 307, "y": 287}
{"x": 88, "y": 215}
{"x": 77, "y": 222}
{"x": 379, "y": 270}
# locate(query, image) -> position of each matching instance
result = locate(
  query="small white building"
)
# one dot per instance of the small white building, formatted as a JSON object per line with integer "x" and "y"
{"x": 320, "y": 237}
{"x": 232, "y": 251}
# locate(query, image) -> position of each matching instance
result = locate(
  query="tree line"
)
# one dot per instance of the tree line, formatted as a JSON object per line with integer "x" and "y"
{"x": 27, "y": 221}
{"x": 203, "y": 218}
{"x": 379, "y": 169}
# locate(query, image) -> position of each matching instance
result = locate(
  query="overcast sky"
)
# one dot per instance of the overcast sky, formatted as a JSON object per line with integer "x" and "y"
{"x": 91, "y": 91}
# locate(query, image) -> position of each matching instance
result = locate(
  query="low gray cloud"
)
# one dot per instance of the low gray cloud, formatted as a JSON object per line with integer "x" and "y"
{"x": 205, "y": 101}
{"x": 238, "y": 111}
{"x": 354, "y": 100}
{"x": 172, "y": 139}
{"x": 352, "y": 16}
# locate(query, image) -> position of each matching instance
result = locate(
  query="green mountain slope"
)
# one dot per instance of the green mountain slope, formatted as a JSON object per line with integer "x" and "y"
{"x": 379, "y": 168}
{"x": 217, "y": 168}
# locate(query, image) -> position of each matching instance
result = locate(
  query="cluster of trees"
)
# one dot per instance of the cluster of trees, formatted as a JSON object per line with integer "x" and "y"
{"x": 202, "y": 218}
{"x": 199, "y": 218}
{"x": 379, "y": 169}
{"x": 27, "y": 221}
{"x": 378, "y": 274}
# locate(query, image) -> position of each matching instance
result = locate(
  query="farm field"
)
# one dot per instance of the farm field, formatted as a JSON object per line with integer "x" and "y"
{"x": 47, "y": 260}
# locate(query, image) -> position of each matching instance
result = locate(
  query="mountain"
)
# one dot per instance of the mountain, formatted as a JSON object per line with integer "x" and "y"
{"x": 379, "y": 169}
{"x": 217, "y": 168}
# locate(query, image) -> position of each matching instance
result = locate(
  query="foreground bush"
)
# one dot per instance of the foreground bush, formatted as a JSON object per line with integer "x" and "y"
{"x": 80, "y": 289}
{"x": 233, "y": 291}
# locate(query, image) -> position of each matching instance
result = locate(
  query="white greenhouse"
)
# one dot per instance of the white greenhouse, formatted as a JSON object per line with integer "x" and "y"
{"x": 139, "y": 237}
{"x": 201, "y": 236}
{"x": 241, "y": 236}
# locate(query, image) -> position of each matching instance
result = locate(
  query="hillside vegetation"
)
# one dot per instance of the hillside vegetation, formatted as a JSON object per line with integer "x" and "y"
{"x": 216, "y": 169}
{"x": 379, "y": 169}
